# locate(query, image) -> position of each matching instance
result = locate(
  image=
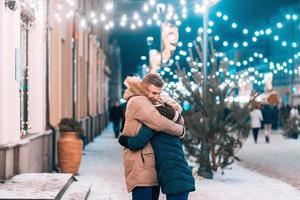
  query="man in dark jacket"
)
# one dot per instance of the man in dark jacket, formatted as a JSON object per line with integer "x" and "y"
{"x": 174, "y": 174}
{"x": 115, "y": 116}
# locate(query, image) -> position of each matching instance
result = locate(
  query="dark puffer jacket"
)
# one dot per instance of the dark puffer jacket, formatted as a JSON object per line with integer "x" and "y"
{"x": 174, "y": 174}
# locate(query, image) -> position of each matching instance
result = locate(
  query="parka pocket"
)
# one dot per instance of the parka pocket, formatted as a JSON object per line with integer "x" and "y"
{"x": 148, "y": 160}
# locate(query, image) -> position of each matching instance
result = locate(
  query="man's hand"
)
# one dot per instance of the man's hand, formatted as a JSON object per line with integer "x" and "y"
{"x": 123, "y": 141}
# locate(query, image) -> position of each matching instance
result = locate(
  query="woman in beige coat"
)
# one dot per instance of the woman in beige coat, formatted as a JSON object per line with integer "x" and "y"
{"x": 140, "y": 172}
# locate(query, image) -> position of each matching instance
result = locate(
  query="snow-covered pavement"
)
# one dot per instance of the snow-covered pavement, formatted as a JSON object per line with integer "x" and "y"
{"x": 242, "y": 184}
{"x": 102, "y": 165}
{"x": 279, "y": 159}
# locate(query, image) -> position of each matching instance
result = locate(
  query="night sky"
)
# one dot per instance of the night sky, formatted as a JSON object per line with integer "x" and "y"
{"x": 247, "y": 13}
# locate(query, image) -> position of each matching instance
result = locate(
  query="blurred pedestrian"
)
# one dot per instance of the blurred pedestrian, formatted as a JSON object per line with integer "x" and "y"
{"x": 267, "y": 119}
{"x": 115, "y": 116}
{"x": 275, "y": 112}
{"x": 282, "y": 111}
{"x": 294, "y": 112}
{"x": 288, "y": 111}
{"x": 256, "y": 119}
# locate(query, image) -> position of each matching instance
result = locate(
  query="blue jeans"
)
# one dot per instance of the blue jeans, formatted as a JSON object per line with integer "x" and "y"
{"x": 145, "y": 193}
{"x": 180, "y": 196}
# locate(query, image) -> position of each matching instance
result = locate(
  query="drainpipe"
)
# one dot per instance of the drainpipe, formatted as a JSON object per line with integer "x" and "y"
{"x": 88, "y": 82}
{"x": 25, "y": 83}
{"x": 74, "y": 68}
{"x": 49, "y": 126}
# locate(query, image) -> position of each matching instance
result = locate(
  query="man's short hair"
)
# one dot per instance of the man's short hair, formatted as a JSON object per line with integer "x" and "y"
{"x": 153, "y": 79}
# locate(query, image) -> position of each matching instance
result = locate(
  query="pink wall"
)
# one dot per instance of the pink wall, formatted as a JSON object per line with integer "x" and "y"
{"x": 37, "y": 74}
{"x": 9, "y": 87}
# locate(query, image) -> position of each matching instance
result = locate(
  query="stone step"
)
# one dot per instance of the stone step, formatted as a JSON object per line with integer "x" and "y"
{"x": 50, "y": 186}
{"x": 78, "y": 190}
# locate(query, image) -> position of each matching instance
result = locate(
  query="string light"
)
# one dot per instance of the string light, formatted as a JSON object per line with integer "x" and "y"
{"x": 151, "y": 4}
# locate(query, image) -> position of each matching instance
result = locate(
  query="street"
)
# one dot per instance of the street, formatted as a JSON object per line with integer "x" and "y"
{"x": 279, "y": 159}
{"x": 102, "y": 165}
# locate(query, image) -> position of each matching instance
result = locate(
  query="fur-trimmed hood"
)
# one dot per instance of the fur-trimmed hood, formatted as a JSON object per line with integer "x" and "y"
{"x": 134, "y": 87}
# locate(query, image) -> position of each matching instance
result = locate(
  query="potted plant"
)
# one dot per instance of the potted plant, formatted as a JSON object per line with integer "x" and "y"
{"x": 69, "y": 145}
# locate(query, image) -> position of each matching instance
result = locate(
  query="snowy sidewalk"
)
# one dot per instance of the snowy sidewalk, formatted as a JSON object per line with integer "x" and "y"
{"x": 103, "y": 166}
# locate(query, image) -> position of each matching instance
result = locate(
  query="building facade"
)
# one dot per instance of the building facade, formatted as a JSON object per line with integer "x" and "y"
{"x": 51, "y": 66}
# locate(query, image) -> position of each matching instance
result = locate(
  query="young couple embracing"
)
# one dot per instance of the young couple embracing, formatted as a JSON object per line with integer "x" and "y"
{"x": 152, "y": 134}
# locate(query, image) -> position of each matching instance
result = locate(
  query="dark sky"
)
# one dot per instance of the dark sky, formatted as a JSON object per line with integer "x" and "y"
{"x": 248, "y": 13}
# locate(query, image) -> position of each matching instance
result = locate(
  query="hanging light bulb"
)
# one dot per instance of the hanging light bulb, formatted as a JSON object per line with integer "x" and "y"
{"x": 102, "y": 17}
{"x": 225, "y": 43}
{"x": 71, "y": 3}
{"x": 245, "y": 31}
{"x": 146, "y": 7}
{"x": 149, "y": 22}
{"x": 136, "y": 16}
{"x": 140, "y": 23}
{"x": 284, "y": 43}
{"x": 83, "y": 23}
{"x": 175, "y": 17}
{"x": 111, "y": 24}
{"x": 92, "y": 14}
{"x": 158, "y": 22}
{"x": 59, "y": 7}
{"x": 178, "y": 22}
{"x": 95, "y": 21}
{"x": 225, "y": 17}
{"x": 109, "y": 6}
{"x": 182, "y": 2}
{"x": 152, "y": 2}
{"x": 133, "y": 26}
{"x": 122, "y": 23}
{"x": 124, "y": 17}
{"x": 268, "y": 31}
{"x": 106, "y": 27}
{"x": 170, "y": 9}
{"x": 188, "y": 29}
{"x": 200, "y": 8}
{"x": 295, "y": 17}
{"x": 155, "y": 16}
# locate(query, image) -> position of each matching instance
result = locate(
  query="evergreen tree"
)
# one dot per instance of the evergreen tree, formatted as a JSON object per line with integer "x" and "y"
{"x": 291, "y": 127}
{"x": 216, "y": 126}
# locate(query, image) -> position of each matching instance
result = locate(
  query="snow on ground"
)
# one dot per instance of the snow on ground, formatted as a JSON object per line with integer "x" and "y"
{"x": 34, "y": 186}
{"x": 103, "y": 166}
{"x": 240, "y": 183}
{"x": 280, "y": 159}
